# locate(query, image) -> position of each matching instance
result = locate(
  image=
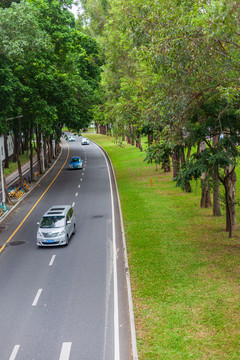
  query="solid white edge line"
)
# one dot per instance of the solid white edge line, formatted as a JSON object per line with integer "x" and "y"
{"x": 65, "y": 351}
{"x": 52, "y": 260}
{"x": 131, "y": 313}
{"x": 14, "y": 353}
{"x": 115, "y": 284}
{"x": 130, "y": 302}
{"x": 37, "y": 297}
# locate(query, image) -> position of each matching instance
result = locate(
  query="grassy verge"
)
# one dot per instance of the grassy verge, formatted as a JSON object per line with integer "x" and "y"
{"x": 24, "y": 158}
{"x": 184, "y": 270}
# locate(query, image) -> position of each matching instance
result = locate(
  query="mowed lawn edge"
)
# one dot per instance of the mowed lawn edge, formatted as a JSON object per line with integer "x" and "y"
{"x": 184, "y": 269}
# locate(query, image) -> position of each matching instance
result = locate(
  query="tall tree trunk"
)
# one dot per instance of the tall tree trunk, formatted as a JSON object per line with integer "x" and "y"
{"x": 51, "y": 151}
{"x": 45, "y": 152}
{"x": 206, "y": 196}
{"x": 183, "y": 161}
{"x": 166, "y": 164}
{"x": 39, "y": 149}
{"x": 230, "y": 187}
{"x": 19, "y": 141}
{"x": 6, "y": 163}
{"x": 31, "y": 152}
{"x": 97, "y": 128}
{"x": 150, "y": 138}
{"x": 123, "y": 135}
{"x": 216, "y": 198}
{"x": 132, "y": 136}
{"x": 8, "y": 200}
{"x": 138, "y": 142}
{"x": 26, "y": 144}
{"x": 189, "y": 152}
{"x": 176, "y": 163}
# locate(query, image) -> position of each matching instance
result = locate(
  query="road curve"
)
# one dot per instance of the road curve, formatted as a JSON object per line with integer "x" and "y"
{"x": 66, "y": 302}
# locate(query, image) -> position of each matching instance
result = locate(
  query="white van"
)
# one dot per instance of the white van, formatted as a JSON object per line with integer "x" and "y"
{"x": 56, "y": 226}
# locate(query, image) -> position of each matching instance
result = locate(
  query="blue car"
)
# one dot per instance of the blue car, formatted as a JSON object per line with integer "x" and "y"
{"x": 76, "y": 163}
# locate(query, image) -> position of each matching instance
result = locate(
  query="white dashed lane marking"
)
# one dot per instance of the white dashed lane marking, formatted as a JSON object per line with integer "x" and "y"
{"x": 65, "y": 352}
{"x": 52, "y": 260}
{"x": 79, "y": 186}
{"x": 14, "y": 353}
{"x": 73, "y": 204}
{"x": 37, "y": 297}
{"x": 76, "y": 194}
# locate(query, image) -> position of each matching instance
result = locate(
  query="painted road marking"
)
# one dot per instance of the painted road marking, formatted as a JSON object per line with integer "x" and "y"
{"x": 81, "y": 179}
{"x": 76, "y": 194}
{"x": 37, "y": 297}
{"x": 115, "y": 277}
{"x": 65, "y": 352}
{"x": 73, "y": 204}
{"x": 52, "y": 260}
{"x": 83, "y": 173}
{"x": 79, "y": 186}
{"x": 14, "y": 353}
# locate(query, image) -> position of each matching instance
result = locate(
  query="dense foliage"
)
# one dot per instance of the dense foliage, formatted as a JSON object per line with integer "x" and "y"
{"x": 50, "y": 70}
{"x": 172, "y": 72}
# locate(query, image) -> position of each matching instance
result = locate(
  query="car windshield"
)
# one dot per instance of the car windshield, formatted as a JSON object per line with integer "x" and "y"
{"x": 75, "y": 160}
{"x": 52, "y": 222}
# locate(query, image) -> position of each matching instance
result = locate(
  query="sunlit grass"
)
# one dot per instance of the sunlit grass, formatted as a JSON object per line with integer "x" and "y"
{"x": 185, "y": 272}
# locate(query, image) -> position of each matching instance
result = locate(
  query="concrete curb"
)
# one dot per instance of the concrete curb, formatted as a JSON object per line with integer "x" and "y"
{"x": 8, "y": 212}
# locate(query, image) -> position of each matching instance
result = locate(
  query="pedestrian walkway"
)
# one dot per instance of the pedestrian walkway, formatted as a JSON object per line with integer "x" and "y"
{"x": 13, "y": 177}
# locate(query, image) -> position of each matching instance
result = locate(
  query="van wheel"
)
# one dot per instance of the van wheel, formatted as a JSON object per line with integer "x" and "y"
{"x": 67, "y": 241}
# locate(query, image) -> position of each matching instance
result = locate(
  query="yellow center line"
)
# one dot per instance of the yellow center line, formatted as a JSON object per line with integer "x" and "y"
{"x": 16, "y": 230}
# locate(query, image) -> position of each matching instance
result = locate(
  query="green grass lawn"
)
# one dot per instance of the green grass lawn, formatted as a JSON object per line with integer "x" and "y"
{"x": 24, "y": 158}
{"x": 185, "y": 271}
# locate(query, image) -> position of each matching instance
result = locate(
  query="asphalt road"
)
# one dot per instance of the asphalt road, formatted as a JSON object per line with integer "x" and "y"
{"x": 66, "y": 303}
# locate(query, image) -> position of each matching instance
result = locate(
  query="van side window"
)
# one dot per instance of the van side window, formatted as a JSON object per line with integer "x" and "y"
{"x": 69, "y": 215}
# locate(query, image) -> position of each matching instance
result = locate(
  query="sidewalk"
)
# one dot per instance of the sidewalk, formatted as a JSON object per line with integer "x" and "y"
{"x": 13, "y": 177}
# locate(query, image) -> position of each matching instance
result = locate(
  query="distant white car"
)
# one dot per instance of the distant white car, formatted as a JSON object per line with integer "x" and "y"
{"x": 71, "y": 138}
{"x": 85, "y": 141}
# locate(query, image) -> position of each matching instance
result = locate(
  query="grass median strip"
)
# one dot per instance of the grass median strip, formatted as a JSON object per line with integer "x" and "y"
{"x": 185, "y": 271}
